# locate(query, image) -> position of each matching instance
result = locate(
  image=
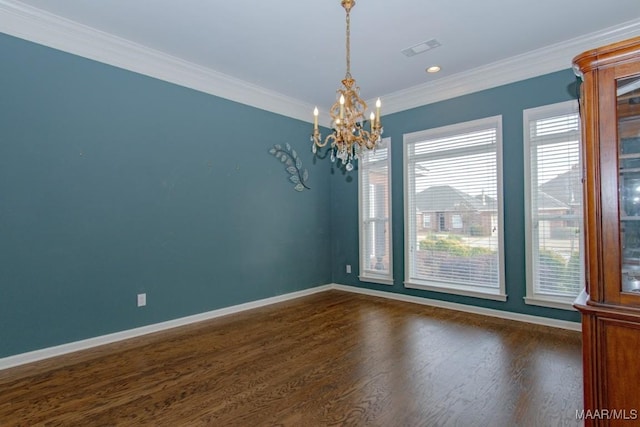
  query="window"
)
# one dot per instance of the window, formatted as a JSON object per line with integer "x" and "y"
{"x": 374, "y": 188}
{"x": 426, "y": 220}
{"x": 455, "y": 173}
{"x": 441, "y": 221}
{"x": 553, "y": 188}
{"x": 456, "y": 221}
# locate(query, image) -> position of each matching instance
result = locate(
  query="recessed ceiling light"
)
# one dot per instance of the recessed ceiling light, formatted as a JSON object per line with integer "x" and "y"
{"x": 433, "y": 69}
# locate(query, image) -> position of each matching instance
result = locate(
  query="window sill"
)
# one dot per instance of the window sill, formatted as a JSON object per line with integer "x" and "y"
{"x": 376, "y": 279}
{"x": 469, "y": 291}
{"x": 562, "y": 304}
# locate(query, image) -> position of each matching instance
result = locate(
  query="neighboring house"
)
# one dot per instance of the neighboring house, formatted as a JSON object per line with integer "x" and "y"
{"x": 560, "y": 205}
{"x": 566, "y": 187}
{"x": 553, "y": 217}
{"x": 442, "y": 208}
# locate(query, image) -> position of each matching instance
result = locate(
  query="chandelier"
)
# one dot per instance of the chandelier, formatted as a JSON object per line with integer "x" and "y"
{"x": 349, "y": 135}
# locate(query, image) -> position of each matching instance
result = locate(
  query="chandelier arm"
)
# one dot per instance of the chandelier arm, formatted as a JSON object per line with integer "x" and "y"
{"x": 334, "y": 111}
{"x": 317, "y": 140}
{"x": 330, "y": 136}
{"x": 370, "y": 143}
{"x": 358, "y": 105}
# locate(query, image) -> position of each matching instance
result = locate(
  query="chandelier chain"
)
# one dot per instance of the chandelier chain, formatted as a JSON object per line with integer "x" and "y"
{"x": 348, "y": 38}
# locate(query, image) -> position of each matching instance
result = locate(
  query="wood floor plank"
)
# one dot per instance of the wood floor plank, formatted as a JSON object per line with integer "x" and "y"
{"x": 330, "y": 359}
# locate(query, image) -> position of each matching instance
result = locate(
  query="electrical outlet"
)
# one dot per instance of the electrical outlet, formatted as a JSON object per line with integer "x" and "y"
{"x": 348, "y": 268}
{"x": 142, "y": 300}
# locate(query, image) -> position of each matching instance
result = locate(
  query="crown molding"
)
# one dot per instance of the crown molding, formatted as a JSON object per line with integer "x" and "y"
{"x": 35, "y": 25}
{"x": 521, "y": 67}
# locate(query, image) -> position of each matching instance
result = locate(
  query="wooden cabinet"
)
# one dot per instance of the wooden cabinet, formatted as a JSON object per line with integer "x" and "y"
{"x": 610, "y": 304}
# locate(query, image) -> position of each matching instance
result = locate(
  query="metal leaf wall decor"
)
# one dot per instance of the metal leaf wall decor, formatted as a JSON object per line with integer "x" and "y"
{"x": 293, "y": 165}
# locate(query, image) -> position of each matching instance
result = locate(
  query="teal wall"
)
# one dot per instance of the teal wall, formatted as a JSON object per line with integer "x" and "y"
{"x": 508, "y": 101}
{"x": 113, "y": 183}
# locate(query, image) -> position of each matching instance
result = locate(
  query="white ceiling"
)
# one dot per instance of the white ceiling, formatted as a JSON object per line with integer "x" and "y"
{"x": 297, "y": 47}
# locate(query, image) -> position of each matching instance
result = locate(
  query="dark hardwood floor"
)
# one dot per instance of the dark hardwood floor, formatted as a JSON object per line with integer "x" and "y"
{"x": 333, "y": 358}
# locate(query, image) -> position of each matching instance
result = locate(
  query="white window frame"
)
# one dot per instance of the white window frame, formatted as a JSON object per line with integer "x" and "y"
{"x": 368, "y": 275}
{"x": 497, "y": 294}
{"x": 532, "y": 297}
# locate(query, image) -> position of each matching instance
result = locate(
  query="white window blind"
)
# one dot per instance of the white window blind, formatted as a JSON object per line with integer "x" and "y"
{"x": 374, "y": 188}
{"x": 554, "y": 205}
{"x": 453, "y": 174}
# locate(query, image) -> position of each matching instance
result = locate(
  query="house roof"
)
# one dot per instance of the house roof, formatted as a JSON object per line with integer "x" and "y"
{"x": 547, "y": 202}
{"x": 566, "y": 187}
{"x": 443, "y": 198}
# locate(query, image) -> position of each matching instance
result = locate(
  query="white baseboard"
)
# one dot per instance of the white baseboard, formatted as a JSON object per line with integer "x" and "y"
{"x": 538, "y": 320}
{"x": 34, "y": 356}
{"x": 45, "y": 353}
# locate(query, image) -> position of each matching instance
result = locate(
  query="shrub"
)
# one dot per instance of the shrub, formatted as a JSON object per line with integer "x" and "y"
{"x": 476, "y": 230}
{"x": 556, "y": 273}
{"x": 452, "y": 245}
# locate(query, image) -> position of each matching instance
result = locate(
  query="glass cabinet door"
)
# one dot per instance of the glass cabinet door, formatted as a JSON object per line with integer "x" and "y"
{"x": 628, "y": 127}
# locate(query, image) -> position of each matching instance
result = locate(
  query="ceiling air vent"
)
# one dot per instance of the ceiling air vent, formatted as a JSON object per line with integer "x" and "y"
{"x": 420, "y": 47}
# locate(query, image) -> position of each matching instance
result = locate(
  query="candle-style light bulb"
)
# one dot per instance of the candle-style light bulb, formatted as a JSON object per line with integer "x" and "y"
{"x": 372, "y": 117}
{"x": 341, "y": 106}
{"x": 315, "y": 118}
{"x": 378, "y": 105}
